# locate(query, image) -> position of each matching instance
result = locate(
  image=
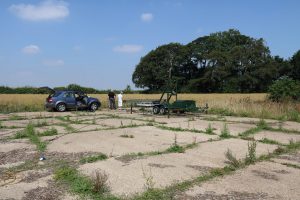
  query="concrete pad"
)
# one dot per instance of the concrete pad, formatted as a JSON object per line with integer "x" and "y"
{"x": 201, "y": 125}
{"x": 114, "y": 122}
{"x": 248, "y": 120}
{"x": 9, "y": 132}
{"x": 264, "y": 180}
{"x": 127, "y": 178}
{"x": 24, "y": 123}
{"x": 109, "y": 141}
{"x": 291, "y": 126}
{"x": 19, "y": 144}
{"x": 283, "y": 138}
{"x": 16, "y": 123}
{"x": 4, "y": 116}
{"x": 60, "y": 129}
{"x": 31, "y": 115}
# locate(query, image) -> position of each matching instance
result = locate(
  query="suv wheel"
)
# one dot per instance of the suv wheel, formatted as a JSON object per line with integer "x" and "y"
{"x": 61, "y": 107}
{"x": 94, "y": 107}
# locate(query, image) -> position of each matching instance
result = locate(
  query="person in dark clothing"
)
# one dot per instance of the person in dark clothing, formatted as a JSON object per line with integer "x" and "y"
{"x": 111, "y": 99}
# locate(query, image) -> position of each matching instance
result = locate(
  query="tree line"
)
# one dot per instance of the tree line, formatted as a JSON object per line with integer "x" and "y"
{"x": 37, "y": 90}
{"x": 220, "y": 62}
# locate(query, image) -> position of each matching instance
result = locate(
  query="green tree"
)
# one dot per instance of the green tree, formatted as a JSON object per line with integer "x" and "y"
{"x": 285, "y": 88}
{"x": 295, "y": 61}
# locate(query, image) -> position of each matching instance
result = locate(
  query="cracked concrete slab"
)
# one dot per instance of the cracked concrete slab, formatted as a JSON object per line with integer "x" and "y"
{"x": 265, "y": 180}
{"x": 281, "y": 137}
{"x": 129, "y": 177}
{"x": 145, "y": 138}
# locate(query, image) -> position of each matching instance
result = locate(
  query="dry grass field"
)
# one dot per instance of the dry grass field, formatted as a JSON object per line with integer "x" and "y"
{"x": 246, "y": 105}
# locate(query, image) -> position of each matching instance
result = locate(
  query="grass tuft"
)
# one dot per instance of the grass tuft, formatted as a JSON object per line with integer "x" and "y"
{"x": 49, "y": 132}
{"x": 209, "y": 130}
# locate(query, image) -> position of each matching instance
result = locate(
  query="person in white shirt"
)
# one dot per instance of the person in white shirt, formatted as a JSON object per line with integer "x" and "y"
{"x": 120, "y": 100}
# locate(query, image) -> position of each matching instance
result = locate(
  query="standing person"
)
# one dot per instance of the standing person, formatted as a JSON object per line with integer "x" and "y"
{"x": 111, "y": 99}
{"x": 120, "y": 100}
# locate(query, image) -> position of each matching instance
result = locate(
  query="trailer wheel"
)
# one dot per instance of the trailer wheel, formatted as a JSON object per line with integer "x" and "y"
{"x": 163, "y": 111}
{"x": 156, "y": 110}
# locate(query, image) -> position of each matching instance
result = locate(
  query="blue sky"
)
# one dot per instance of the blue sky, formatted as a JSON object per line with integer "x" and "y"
{"x": 98, "y": 43}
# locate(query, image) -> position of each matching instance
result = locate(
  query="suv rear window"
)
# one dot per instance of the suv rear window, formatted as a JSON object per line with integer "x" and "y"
{"x": 56, "y": 94}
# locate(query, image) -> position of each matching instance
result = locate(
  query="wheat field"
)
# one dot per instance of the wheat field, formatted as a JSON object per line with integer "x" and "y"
{"x": 247, "y": 105}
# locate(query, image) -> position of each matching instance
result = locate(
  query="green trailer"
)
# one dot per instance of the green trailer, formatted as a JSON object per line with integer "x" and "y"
{"x": 178, "y": 106}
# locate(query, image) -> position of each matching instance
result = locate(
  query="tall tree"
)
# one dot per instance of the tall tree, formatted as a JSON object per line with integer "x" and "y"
{"x": 295, "y": 61}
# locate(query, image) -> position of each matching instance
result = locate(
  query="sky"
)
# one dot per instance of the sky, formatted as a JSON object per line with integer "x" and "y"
{"x": 98, "y": 43}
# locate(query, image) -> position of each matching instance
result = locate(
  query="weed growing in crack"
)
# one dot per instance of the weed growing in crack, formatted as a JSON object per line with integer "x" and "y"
{"x": 30, "y": 133}
{"x": 251, "y": 155}
{"x": 209, "y": 130}
{"x": 175, "y": 148}
{"x": 149, "y": 182}
{"x": 49, "y": 132}
{"x": 225, "y": 132}
{"x": 232, "y": 160}
{"x": 94, "y": 158}
{"x": 262, "y": 124}
{"x": 99, "y": 182}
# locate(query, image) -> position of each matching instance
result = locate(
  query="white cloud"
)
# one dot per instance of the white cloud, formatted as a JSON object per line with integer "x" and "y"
{"x": 147, "y": 17}
{"x": 46, "y": 10}
{"x": 53, "y": 63}
{"x": 128, "y": 48}
{"x": 31, "y": 49}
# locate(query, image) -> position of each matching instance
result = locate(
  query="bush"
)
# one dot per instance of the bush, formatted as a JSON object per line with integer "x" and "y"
{"x": 285, "y": 88}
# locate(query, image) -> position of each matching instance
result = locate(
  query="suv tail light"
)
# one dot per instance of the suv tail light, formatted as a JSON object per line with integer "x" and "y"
{"x": 50, "y": 100}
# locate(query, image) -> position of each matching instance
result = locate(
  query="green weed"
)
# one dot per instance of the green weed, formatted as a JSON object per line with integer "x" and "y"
{"x": 209, "y": 130}
{"x": 91, "y": 159}
{"x": 49, "y": 132}
{"x": 251, "y": 155}
{"x": 225, "y": 132}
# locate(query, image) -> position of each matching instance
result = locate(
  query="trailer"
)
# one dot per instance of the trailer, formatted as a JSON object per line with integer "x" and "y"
{"x": 164, "y": 106}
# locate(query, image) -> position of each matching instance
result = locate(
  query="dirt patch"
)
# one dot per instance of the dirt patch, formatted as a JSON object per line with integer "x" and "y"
{"x": 51, "y": 192}
{"x": 265, "y": 175}
{"x": 17, "y": 156}
{"x": 70, "y": 158}
{"x": 32, "y": 176}
{"x": 159, "y": 165}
